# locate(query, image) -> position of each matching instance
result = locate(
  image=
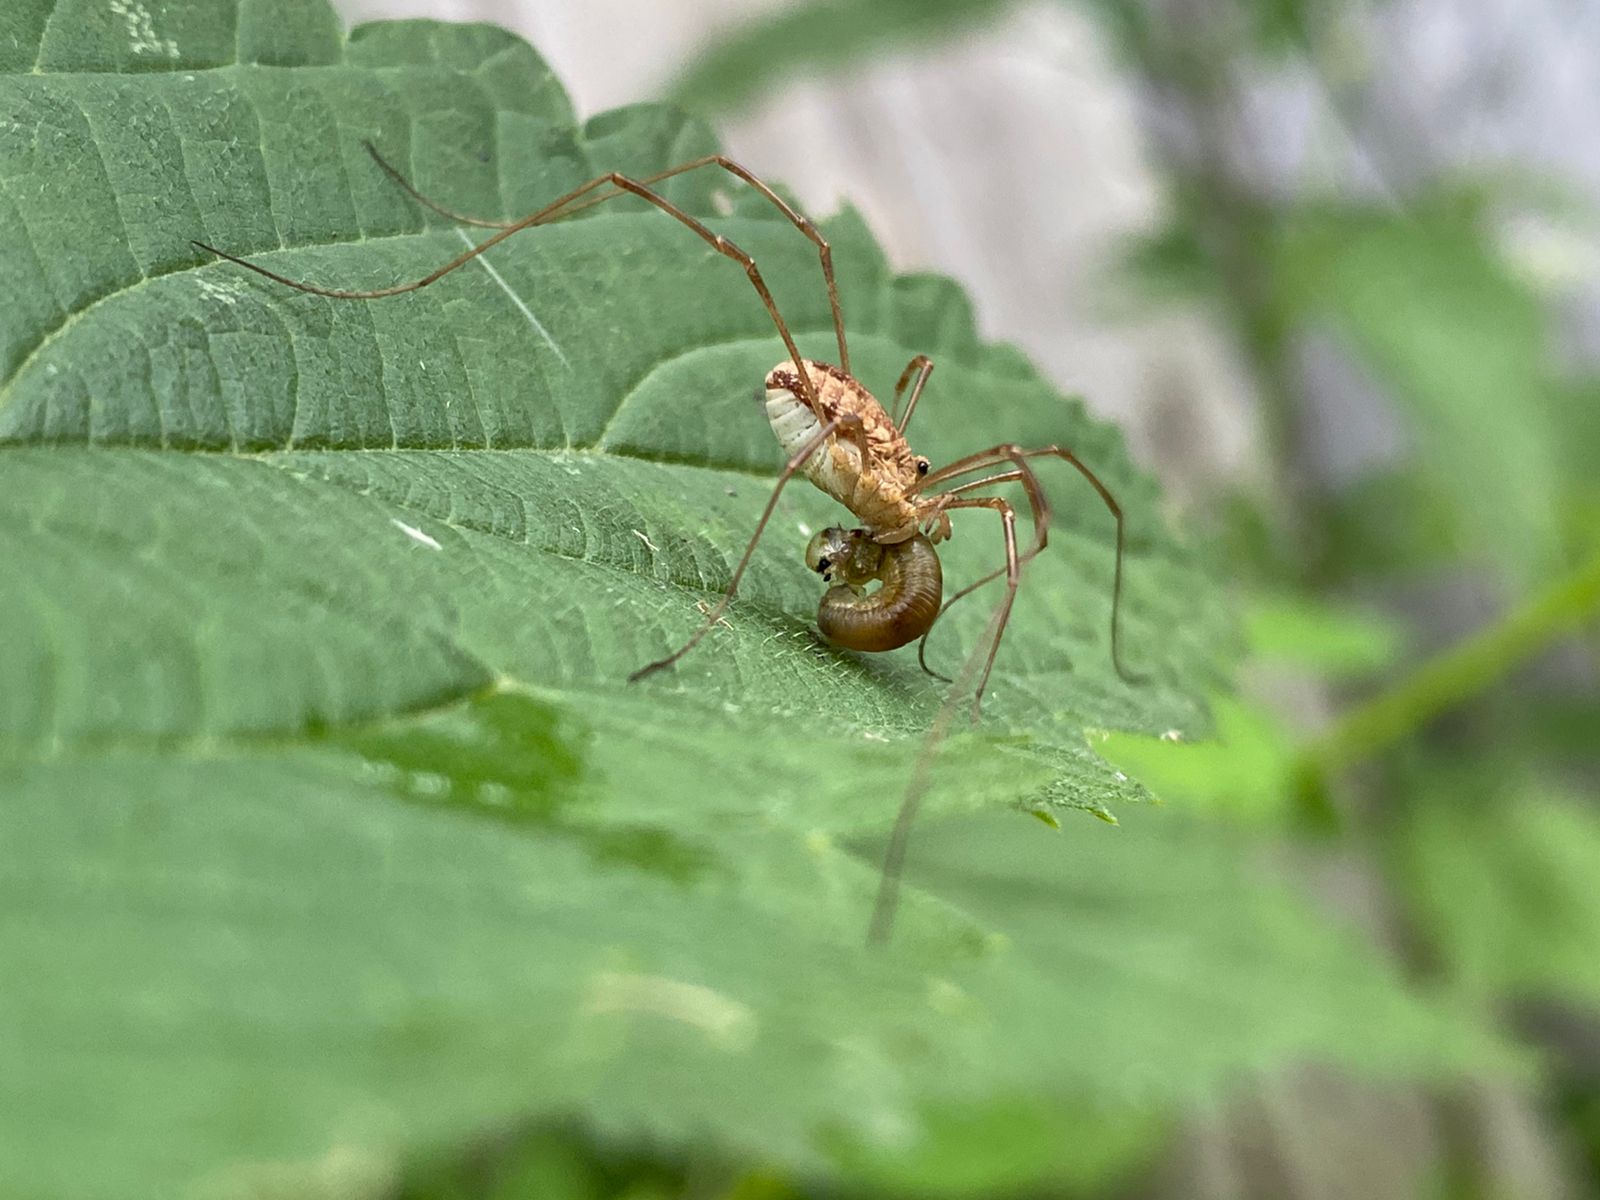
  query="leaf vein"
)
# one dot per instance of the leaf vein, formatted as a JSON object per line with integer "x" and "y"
{"x": 638, "y": 385}
{"x": 44, "y": 34}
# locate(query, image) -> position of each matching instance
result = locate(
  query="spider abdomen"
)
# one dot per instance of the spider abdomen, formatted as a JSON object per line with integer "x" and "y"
{"x": 876, "y": 490}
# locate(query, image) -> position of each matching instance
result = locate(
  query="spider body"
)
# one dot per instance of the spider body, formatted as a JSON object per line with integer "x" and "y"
{"x": 869, "y": 466}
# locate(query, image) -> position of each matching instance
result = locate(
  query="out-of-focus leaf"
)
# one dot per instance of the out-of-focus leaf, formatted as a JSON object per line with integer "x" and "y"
{"x": 1244, "y": 771}
{"x": 1247, "y": 770}
{"x": 1395, "y": 522}
{"x": 1014, "y": 1145}
{"x": 1564, "y": 728}
{"x": 551, "y": 1163}
{"x": 1506, "y": 890}
{"x": 1168, "y": 264}
{"x": 1278, "y": 25}
{"x": 817, "y": 37}
{"x": 1457, "y": 674}
{"x": 1578, "y": 412}
{"x": 1425, "y": 302}
{"x": 829, "y": 38}
{"x": 1326, "y": 639}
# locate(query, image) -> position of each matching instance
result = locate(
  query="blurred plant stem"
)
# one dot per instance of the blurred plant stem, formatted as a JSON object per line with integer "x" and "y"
{"x": 1449, "y": 679}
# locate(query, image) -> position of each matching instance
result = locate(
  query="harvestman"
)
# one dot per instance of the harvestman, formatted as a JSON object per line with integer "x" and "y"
{"x": 841, "y": 439}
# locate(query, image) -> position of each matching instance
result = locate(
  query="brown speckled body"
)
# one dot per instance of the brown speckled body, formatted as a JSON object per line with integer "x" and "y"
{"x": 880, "y": 493}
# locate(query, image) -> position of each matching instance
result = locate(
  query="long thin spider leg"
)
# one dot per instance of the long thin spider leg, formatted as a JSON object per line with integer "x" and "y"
{"x": 371, "y": 294}
{"x": 1021, "y": 472}
{"x": 796, "y": 218}
{"x": 922, "y": 642}
{"x": 894, "y": 857}
{"x": 1029, "y": 481}
{"x": 410, "y": 189}
{"x": 1039, "y": 505}
{"x": 1010, "y": 452}
{"x": 1024, "y": 474}
{"x": 550, "y": 212}
{"x": 922, "y": 648}
{"x": 921, "y": 366}
{"x": 814, "y": 443}
{"x": 1008, "y": 522}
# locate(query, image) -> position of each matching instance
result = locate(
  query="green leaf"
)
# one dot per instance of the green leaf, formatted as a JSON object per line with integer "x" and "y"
{"x": 1578, "y": 414}
{"x": 1250, "y": 770}
{"x": 818, "y": 36}
{"x": 829, "y": 38}
{"x": 1424, "y": 301}
{"x": 1330, "y": 640}
{"x": 1393, "y": 522}
{"x": 1505, "y": 889}
{"x": 1245, "y": 773}
{"x": 331, "y": 835}
{"x": 1456, "y": 675}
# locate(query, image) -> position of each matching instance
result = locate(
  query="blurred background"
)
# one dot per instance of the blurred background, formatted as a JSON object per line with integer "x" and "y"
{"x": 1335, "y": 270}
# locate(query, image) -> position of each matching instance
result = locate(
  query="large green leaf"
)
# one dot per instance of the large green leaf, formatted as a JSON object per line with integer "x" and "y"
{"x": 330, "y": 834}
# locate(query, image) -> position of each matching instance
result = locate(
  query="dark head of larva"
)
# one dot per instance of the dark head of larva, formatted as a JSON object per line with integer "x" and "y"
{"x": 846, "y": 556}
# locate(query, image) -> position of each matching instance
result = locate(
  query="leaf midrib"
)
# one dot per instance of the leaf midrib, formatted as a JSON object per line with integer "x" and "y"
{"x": 158, "y": 68}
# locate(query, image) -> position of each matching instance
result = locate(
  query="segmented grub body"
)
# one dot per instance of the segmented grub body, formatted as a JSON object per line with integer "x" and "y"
{"x": 901, "y": 609}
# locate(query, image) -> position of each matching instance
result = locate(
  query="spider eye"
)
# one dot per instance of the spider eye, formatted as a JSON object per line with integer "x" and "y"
{"x": 823, "y": 564}
{"x": 922, "y": 466}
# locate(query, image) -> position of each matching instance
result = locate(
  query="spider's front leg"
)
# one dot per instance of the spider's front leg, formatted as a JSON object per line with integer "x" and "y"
{"x": 845, "y": 422}
{"x": 796, "y": 218}
{"x": 921, "y": 366}
{"x": 1013, "y": 574}
{"x": 1022, "y": 471}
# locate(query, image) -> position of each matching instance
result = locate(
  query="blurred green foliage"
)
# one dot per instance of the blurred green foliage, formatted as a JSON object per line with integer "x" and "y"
{"x": 1065, "y": 1001}
{"x": 1474, "y": 758}
{"x": 335, "y": 838}
{"x": 1425, "y": 302}
{"x": 822, "y": 37}
{"x": 817, "y": 37}
{"x": 1501, "y": 869}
